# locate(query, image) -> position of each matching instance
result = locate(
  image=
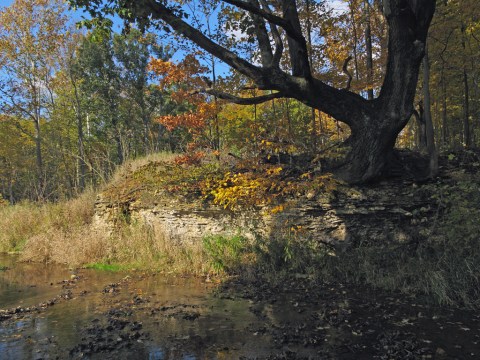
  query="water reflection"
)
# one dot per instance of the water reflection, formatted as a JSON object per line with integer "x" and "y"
{"x": 181, "y": 317}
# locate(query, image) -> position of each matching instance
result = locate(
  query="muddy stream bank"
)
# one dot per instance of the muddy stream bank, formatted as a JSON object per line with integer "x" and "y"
{"x": 50, "y": 312}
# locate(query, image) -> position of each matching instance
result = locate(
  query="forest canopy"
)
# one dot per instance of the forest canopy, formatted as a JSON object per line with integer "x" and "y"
{"x": 346, "y": 79}
{"x": 277, "y": 33}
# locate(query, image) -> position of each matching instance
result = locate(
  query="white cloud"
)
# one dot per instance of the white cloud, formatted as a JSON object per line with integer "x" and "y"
{"x": 339, "y": 6}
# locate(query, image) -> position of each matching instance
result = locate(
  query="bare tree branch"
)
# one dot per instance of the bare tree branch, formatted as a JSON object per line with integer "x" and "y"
{"x": 276, "y": 37}
{"x": 262, "y": 37}
{"x": 160, "y": 11}
{"x": 239, "y": 100}
{"x": 297, "y": 46}
{"x": 345, "y": 70}
{"x": 269, "y": 16}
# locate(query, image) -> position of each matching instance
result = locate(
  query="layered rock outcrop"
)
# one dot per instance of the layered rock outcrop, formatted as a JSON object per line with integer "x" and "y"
{"x": 386, "y": 213}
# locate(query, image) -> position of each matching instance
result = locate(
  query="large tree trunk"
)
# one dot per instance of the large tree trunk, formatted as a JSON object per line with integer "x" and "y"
{"x": 371, "y": 149}
{"x": 117, "y": 135}
{"x": 445, "y": 134}
{"x": 429, "y": 130}
{"x": 146, "y": 133}
{"x": 82, "y": 166}
{"x": 368, "y": 48}
{"x": 376, "y": 127}
{"x": 355, "y": 37}
{"x": 310, "y": 59}
{"x": 466, "y": 105}
{"x": 118, "y": 141}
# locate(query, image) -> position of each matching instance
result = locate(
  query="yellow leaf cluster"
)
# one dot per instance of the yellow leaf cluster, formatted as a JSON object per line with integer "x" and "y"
{"x": 236, "y": 189}
{"x": 262, "y": 187}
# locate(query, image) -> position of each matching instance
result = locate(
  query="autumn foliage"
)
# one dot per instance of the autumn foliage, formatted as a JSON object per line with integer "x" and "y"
{"x": 265, "y": 185}
{"x": 182, "y": 81}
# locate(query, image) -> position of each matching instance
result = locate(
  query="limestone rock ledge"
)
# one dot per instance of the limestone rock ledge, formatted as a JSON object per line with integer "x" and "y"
{"x": 386, "y": 213}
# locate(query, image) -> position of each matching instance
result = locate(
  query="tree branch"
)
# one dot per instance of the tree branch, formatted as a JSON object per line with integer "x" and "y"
{"x": 345, "y": 70}
{"x": 296, "y": 46}
{"x": 341, "y": 104}
{"x": 269, "y": 16}
{"x": 276, "y": 37}
{"x": 239, "y": 100}
{"x": 161, "y": 12}
{"x": 262, "y": 37}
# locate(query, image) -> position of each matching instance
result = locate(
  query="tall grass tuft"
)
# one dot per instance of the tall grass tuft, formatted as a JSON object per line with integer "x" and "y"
{"x": 64, "y": 233}
{"x": 17, "y": 224}
{"x": 56, "y": 229}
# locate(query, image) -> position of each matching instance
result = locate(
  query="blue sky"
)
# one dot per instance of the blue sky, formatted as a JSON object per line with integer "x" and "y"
{"x": 337, "y": 5}
{"x": 77, "y": 15}
{"x": 4, "y": 3}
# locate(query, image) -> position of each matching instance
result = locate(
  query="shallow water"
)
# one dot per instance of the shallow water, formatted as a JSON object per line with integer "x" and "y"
{"x": 45, "y": 314}
{"x": 179, "y": 317}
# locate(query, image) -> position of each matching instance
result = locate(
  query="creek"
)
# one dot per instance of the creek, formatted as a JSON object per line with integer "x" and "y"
{"x": 51, "y": 312}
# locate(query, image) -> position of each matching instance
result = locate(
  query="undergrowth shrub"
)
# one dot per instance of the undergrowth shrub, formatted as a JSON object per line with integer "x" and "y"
{"x": 3, "y": 202}
{"x": 264, "y": 185}
{"x": 266, "y": 259}
{"x": 290, "y": 252}
{"x": 226, "y": 253}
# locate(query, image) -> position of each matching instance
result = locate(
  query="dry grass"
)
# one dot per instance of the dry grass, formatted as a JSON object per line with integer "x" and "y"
{"x": 17, "y": 224}
{"x": 142, "y": 247}
{"x": 37, "y": 229}
{"x": 23, "y": 222}
{"x": 74, "y": 246}
{"x": 134, "y": 246}
{"x": 65, "y": 234}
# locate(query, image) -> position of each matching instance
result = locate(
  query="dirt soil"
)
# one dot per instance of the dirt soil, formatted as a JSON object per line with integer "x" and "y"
{"x": 336, "y": 321}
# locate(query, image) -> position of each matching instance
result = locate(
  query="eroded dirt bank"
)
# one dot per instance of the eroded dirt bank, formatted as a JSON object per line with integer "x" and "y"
{"x": 92, "y": 315}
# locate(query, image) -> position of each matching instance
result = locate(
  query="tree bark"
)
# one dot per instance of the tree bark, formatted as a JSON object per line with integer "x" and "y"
{"x": 444, "y": 109}
{"x": 310, "y": 59}
{"x": 370, "y": 150}
{"x": 82, "y": 166}
{"x": 421, "y": 134}
{"x": 368, "y": 48}
{"x": 38, "y": 155}
{"x": 355, "y": 37}
{"x": 429, "y": 131}
{"x": 374, "y": 132}
{"x": 466, "y": 100}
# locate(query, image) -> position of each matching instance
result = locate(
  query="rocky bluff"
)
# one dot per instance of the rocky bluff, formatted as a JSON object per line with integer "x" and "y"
{"x": 390, "y": 212}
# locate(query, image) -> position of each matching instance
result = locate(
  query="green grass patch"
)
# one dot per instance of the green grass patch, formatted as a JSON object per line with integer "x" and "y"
{"x": 3, "y": 267}
{"x": 107, "y": 267}
{"x": 225, "y": 252}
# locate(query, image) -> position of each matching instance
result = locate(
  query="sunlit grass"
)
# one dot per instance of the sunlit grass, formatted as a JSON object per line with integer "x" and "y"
{"x": 106, "y": 267}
